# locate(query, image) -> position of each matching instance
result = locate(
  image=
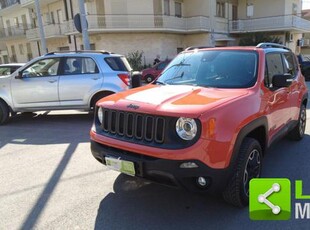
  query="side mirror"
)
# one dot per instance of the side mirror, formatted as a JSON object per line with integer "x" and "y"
{"x": 282, "y": 80}
{"x": 19, "y": 75}
{"x": 135, "y": 79}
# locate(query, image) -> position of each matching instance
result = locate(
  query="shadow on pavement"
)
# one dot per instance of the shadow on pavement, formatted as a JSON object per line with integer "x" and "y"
{"x": 136, "y": 204}
{"x": 42, "y": 129}
{"x": 140, "y": 205}
{"x": 44, "y": 197}
{"x": 46, "y": 129}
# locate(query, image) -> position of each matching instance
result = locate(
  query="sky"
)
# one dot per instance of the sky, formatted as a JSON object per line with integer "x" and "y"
{"x": 305, "y": 4}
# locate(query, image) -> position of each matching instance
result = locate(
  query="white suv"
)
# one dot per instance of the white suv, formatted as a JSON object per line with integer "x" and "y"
{"x": 72, "y": 80}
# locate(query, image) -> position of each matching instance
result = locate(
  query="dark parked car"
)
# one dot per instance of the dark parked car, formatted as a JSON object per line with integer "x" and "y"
{"x": 304, "y": 66}
{"x": 150, "y": 74}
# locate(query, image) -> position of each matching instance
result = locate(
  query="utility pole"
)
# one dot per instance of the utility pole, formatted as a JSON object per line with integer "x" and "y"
{"x": 41, "y": 29}
{"x": 84, "y": 25}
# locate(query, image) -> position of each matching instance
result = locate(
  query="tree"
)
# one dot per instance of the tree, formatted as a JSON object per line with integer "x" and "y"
{"x": 135, "y": 60}
{"x": 253, "y": 39}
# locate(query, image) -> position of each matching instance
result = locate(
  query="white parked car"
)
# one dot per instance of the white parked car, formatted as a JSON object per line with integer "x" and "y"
{"x": 7, "y": 69}
{"x": 71, "y": 80}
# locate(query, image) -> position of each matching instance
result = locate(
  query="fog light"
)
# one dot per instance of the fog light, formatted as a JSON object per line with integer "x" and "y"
{"x": 202, "y": 181}
{"x": 188, "y": 165}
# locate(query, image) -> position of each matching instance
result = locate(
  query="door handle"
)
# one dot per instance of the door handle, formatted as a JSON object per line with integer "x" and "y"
{"x": 52, "y": 81}
{"x": 95, "y": 78}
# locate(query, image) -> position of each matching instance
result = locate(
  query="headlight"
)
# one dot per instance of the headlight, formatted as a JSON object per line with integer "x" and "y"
{"x": 186, "y": 128}
{"x": 100, "y": 115}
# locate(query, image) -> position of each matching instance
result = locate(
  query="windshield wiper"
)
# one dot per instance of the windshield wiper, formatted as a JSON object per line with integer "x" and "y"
{"x": 176, "y": 77}
{"x": 159, "y": 83}
{"x": 179, "y": 64}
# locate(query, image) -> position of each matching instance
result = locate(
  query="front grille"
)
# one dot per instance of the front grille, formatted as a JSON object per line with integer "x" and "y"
{"x": 137, "y": 126}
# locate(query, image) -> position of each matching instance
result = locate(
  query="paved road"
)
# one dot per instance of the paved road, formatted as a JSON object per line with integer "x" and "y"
{"x": 49, "y": 180}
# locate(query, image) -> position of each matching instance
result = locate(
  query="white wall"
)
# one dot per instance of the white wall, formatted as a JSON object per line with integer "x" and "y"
{"x": 151, "y": 44}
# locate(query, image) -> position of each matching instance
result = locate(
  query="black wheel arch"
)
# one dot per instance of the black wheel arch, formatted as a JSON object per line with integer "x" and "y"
{"x": 99, "y": 95}
{"x": 257, "y": 129}
{"x": 3, "y": 101}
{"x": 304, "y": 100}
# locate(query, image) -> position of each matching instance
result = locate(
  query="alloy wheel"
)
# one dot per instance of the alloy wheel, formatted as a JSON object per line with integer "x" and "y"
{"x": 252, "y": 169}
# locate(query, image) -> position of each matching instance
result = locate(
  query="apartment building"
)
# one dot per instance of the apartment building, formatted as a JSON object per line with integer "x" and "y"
{"x": 155, "y": 27}
{"x": 305, "y": 49}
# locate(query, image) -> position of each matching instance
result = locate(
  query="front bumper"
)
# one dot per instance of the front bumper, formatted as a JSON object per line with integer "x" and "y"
{"x": 167, "y": 172}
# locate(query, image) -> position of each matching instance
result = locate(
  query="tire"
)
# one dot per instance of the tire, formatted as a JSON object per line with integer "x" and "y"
{"x": 299, "y": 130}
{"x": 149, "y": 78}
{"x": 248, "y": 166}
{"x": 96, "y": 98}
{"x": 4, "y": 112}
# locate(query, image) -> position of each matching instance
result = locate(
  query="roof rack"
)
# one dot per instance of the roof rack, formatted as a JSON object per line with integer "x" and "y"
{"x": 79, "y": 51}
{"x": 272, "y": 45}
{"x": 197, "y": 47}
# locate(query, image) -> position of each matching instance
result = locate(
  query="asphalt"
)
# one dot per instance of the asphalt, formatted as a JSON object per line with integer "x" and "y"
{"x": 49, "y": 180}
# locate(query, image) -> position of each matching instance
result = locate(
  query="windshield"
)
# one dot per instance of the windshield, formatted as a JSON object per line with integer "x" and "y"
{"x": 214, "y": 68}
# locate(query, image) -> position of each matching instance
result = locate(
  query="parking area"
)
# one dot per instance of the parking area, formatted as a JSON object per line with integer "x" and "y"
{"x": 49, "y": 180}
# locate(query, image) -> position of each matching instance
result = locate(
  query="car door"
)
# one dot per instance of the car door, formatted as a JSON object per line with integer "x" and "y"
{"x": 36, "y": 86}
{"x": 278, "y": 99}
{"x": 79, "y": 79}
{"x": 291, "y": 67}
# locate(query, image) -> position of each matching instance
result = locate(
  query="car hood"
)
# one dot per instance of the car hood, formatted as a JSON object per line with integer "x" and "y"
{"x": 171, "y": 100}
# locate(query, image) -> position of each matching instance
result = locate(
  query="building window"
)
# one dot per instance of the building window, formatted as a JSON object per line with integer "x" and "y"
{"x": 64, "y": 48}
{"x": 5, "y": 59}
{"x": 167, "y": 7}
{"x": 178, "y": 9}
{"x": 21, "y": 49}
{"x": 52, "y": 18}
{"x": 220, "y": 9}
{"x": 47, "y": 18}
{"x": 16, "y": 22}
{"x": 294, "y": 9}
{"x": 13, "y": 57}
{"x": 29, "y": 52}
{"x": 250, "y": 10}
{"x": 92, "y": 46}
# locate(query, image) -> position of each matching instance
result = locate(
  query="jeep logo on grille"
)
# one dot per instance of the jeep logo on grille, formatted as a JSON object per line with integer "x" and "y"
{"x": 132, "y": 106}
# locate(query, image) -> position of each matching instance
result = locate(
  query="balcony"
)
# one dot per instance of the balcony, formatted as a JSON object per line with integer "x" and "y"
{"x": 143, "y": 23}
{"x": 50, "y": 31}
{"x": 30, "y": 3}
{"x": 13, "y": 32}
{"x": 276, "y": 23}
{"x": 7, "y": 3}
{"x": 220, "y": 25}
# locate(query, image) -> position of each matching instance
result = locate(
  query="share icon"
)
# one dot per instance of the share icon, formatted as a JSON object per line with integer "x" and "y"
{"x": 262, "y": 198}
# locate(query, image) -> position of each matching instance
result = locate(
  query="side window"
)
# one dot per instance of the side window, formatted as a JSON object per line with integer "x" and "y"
{"x": 89, "y": 66}
{"x": 42, "y": 68}
{"x": 5, "y": 71}
{"x": 72, "y": 66}
{"x": 290, "y": 64}
{"x": 79, "y": 65}
{"x": 274, "y": 65}
{"x": 118, "y": 63}
{"x": 162, "y": 65}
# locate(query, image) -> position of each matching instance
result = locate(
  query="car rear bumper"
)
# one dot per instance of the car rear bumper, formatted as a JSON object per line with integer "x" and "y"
{"x": 167, "y": 172}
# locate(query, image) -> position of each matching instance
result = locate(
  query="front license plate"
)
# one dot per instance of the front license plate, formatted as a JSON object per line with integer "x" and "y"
{"x": 122, "y": 166}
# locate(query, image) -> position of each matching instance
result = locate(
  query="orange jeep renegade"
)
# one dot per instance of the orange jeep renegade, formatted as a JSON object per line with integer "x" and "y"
{"x": 207, "y": 121}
